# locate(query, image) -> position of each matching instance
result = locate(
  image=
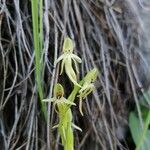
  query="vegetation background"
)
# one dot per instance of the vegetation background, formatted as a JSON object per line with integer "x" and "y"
{"x": 110, "y": 34}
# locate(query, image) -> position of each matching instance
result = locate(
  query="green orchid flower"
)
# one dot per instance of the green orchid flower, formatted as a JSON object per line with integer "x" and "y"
{"x": 65, "y": 126}
{"x": 68, "y": 58}
{"x": 58, "y": 98}
{"x": 88, "y": 87}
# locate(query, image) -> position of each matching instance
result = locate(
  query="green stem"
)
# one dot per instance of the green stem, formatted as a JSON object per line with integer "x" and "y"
{"x": 41, "y": 27}
{"x": 73, "y": 94}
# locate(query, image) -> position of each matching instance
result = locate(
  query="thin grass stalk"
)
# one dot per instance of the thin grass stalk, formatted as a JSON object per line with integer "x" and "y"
{"x": 41, "y": 29}
{"x": 38, "y": 42}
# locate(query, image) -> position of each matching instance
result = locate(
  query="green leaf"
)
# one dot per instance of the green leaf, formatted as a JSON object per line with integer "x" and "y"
{"x": 136, "y": 132}
{"x": 147, "y": 141}
{"x": 134, "y": 127}
{"x": 144, "y": 111}
{"x": 37, "y": 24}
{"x": 145, "y": 99}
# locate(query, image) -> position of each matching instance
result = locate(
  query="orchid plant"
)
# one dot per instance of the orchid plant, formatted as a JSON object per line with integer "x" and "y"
{"x": 81, "y": 89}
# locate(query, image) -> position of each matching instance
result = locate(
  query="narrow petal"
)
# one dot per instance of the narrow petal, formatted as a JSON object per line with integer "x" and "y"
{"x": 78, "y": 59}
{"x": 80, "y": 106}
{"x": 87, "y": 93}
{"x": 64, "y": 100}
{"x": 76, "y": 65}
{"x": 84, "y": 87}
{"x": 68, "y": 102}
{"x": 62, "y": 66}
{"x": 55, "y": 126}
{"x": 55, "y": 107}
{"x": 76, "y": 127}
{"x": 49, "y": 100}
{"x": 72, "y": 76}
{"x": 59, "y": 59}
{"x": 46, "y": 100}
{"x": 70, "y": 72}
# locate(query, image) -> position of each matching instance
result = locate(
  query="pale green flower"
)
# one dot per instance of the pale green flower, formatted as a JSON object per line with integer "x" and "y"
{"x": 58, "y": 98}
{"x": 87, "y": 87}
{"x": 68, "y": 58}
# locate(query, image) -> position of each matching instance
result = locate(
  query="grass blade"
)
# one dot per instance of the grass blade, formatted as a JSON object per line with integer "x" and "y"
{"x": 38, "y": 45}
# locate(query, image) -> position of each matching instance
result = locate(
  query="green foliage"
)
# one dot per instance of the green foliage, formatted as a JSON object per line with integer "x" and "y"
{"x": 141, "y": 135}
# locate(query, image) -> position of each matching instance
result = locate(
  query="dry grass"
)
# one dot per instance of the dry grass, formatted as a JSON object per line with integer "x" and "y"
{"x": 106, "y": 35}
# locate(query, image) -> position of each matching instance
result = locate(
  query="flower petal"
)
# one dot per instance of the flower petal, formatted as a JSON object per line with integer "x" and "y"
{"x": 71, "y": 74}
{"x": 54, "y": 105}
{"x": 76, "y": 127}
{"x": 49, "y": 100}
{"x": 76, "y": 65}
{"x": 55, "y": 126}
{"x": 60, "y": 58}
{"x": 63, "y": 100}
{"x": 78, "y": 59}
{"x": 62, "y": 66}
{"x": 80, "y": 106}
